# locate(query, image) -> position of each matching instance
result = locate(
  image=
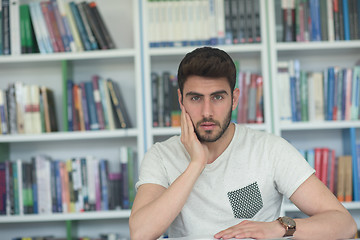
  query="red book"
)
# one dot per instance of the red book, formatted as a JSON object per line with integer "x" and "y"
{"x": 243, "y": 97}
{"x": 324, "y": 165}
{"x": 332, "y": 168}
{"x": 318, "y": 162}
{"x": 45, "y": 11}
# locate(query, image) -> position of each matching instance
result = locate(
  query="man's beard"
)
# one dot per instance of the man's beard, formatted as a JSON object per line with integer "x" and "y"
{"x": 222, "y": 126}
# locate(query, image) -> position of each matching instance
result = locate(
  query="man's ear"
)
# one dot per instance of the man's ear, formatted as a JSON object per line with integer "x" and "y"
{"x": 180, "y": 97}
{"x": 235, "y": 100}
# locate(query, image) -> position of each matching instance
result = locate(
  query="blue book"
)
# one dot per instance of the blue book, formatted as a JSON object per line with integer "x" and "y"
{"x": 330, "y": 95}
{"x": 104, "y": 184}
{"x": 58, "y": 186}
{"x": 310, "y": 157}
{"x": 349, "y": 146}
{"x": 346, "y": 20}
{"x": 84, "y": 106}
{"x": 34, "y": 187}
{"x": 293, "y": 98}
{"x": 315, "y": 20}
{"x": 80, "y": 25}
{"x": 94, "y": 124}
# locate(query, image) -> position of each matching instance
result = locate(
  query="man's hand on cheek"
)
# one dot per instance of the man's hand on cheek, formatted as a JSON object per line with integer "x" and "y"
{"x": 198, "y": 152}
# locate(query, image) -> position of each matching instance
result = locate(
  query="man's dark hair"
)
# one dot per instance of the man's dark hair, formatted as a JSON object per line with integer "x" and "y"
{"x": 207, "y": 62}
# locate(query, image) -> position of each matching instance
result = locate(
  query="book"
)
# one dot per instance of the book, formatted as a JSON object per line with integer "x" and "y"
{"x": 64, "y": 17}
{"x": 118, "y": 105}
{"x": 94, "y": 123}
{"x": 80, "y": 26}
{"x": 97, "y": 100}
{"x": 88, "y": 31}
{"x": 61, "y": 26}
{"x": 41, "y": 32}
{"x": 6, "y": 38}
{"x": 283, "y": 79}
{"x": 349, "y": 146}
{"x": 109, "y": 40}
{"x": 35, "y": 109}
{"x": 95, "y": 26}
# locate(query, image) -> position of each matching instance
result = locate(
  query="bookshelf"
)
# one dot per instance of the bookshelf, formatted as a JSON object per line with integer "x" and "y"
{"x": 130, "y": 64}
{"x": 313, "y": 56}
{"x": 251, "y": 56}
{"x": 123, "y": 65}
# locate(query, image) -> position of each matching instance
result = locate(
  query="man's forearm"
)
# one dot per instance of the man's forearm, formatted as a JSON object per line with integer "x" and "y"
{"x": 327, "y": 225}
{"x": 152, "y": 220}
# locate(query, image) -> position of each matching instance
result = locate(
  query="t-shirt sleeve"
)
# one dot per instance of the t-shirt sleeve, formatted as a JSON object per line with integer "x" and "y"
{"x": 152, "y": 170}
{"x": 291, "y": 169}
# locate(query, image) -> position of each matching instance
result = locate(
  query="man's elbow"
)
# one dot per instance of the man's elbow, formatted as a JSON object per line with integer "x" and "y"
{"x": 138, "y": 232}
{"x": 353, "y": 227}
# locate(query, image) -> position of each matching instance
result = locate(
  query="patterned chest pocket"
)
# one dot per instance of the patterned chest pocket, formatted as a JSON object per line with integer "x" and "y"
{"x": 246, "y": 202}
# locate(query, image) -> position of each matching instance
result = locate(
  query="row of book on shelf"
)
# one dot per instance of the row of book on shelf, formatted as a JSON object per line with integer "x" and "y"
{"x": 45, "y": 185}
{"x": 27, "y": 109}
{"x": 165, "y": 105}
{"x": 331, "y": 94}
{"x": 96, "y": 104}
{"x": 52, "y": 26}
{"x": 339, "y": 173}
{"x": 317, "y": 20}
{"x": 203, "y": 22}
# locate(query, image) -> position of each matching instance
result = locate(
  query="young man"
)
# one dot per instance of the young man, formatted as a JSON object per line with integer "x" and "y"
{"x": 224, "y": 179}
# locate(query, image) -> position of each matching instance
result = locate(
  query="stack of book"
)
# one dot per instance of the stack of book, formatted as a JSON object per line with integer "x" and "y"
{"x": 317, "y": 20}
{"x": 339, "y": 173}
{"x": 96, "y": 105}
{"x": 250, "y": 106}
{"x": 203, "y": 22}
{"x": 331, "y": 94}
{"x": 165, "y": 104}
{"x": 44, "y": 185}
{"x": 27, "y": 109}
{"x": 52, "y": 26}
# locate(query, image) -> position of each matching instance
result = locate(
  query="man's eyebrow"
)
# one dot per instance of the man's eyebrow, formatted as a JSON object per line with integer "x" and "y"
{"x": 191, "y": 93}
{"x": 219, "y": 92}
{"x": 194, "y": 94}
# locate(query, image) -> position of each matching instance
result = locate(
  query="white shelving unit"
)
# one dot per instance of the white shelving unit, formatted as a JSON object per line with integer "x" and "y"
{"x": 130, "y": 64}
{"x": 252, "y": 57}
{"x": 313, "y": 56}
{"x": 123, "y": 65}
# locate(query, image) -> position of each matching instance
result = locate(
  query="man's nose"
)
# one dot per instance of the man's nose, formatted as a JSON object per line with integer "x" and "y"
{"x": 207, "y": 110}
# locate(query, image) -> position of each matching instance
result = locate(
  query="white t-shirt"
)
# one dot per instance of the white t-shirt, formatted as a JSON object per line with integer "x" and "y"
{"x": 247, "y": 181}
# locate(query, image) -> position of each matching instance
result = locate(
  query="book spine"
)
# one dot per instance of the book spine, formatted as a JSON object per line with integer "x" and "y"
{"x": 14, "y": 11}
{"x": 61, "y": 27}
{"x": 49, "y": 25}
{"x": 80, "y": 26}
{"x": 94, "y": 25}
{"x": 94, "y": 124}
{"x": 97, "y": 100}
{"x": 6, "y": 43}
{"x": 85, "y": 106}
{"x": 89, "y": 33}
{"x": 345, "y": 5}
{"x": 37, "y": 9}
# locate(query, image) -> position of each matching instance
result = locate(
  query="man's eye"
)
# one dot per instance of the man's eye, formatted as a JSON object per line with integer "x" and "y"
{"x": 195, "y": 98}
{"x": 218, "y": 97}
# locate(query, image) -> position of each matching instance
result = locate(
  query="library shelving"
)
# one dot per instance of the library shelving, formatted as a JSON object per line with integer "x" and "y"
{"x": 252, "y": 57}
{"x": 130, "y": 64}
{"x": 122, "y": 64}
{"x": 313, "y": 56}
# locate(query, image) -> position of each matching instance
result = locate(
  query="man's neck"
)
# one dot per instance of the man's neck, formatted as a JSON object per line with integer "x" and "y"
{"x": 218, "y": 147}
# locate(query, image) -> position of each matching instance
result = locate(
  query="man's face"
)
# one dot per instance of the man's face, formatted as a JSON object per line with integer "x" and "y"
{"x": 209, "y": 103}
